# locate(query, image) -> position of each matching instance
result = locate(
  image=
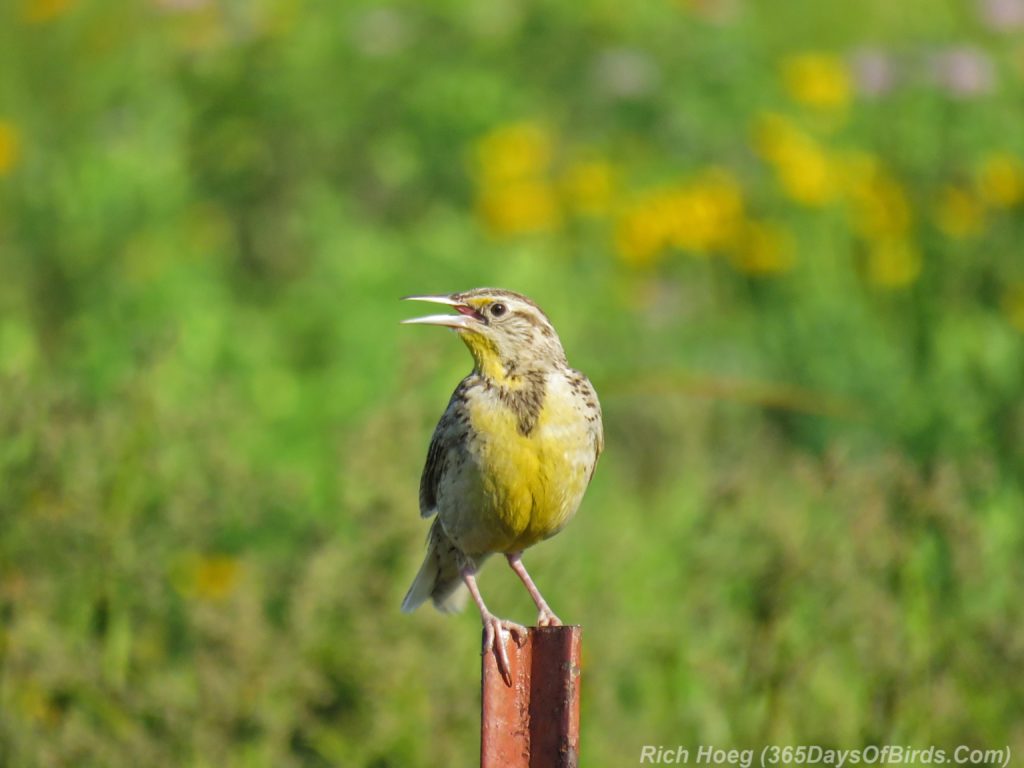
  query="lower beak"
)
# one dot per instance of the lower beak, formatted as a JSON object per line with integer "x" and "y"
{"x": 464, "y": 320}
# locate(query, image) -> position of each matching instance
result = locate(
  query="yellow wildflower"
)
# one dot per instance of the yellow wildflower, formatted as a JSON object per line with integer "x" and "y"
{"x": 806, "y": 175}
{"x": 1000, "y": 180}
{"x": 216, "y": 577}
{"x": 8, "y": 147}
{"x": 700, "y": 216}
{"x": 804, "y": 168}
{"x": 818, "y": 80}
{"x": 41, "y": 11}
{"x": 209, "y": 577}
{"x": 959, "y": 215}
{"x": 520, "y": 207}
{"x": 515, "y": 195}
{"x": 705, "y": 214}
{"x": 513, "y": 153}
{"x": 879, "y": 206}
{"x": 893, "y": 263}
{"x": 880, "y": 212}
{"x": 1013, "y": 306}
{"x": 641, "y": 234}
{"x": 765, "y": 248}
{"x": 588, "y": 187}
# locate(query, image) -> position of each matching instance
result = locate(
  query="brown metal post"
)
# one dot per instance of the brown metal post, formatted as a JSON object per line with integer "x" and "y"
{"x": 536, "y": 722}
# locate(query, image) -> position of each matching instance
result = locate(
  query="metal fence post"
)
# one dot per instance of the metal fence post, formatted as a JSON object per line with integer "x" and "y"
{"x": 536, "y": 722}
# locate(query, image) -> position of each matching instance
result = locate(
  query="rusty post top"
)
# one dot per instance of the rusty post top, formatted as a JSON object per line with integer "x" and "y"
{"x": 535, "y": 723}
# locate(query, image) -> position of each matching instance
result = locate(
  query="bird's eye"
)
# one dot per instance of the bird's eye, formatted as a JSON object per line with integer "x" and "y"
{"x": 497, "y": 310}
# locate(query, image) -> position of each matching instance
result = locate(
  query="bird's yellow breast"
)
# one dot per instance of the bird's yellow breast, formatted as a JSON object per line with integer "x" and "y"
{"x": 529, "y": 485}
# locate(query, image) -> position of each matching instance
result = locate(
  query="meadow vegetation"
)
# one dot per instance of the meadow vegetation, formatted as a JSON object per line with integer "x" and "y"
{"x": 782, "y": 238}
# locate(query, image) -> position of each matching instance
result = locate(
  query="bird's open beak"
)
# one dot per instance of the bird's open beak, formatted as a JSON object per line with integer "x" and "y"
{"x": 467, "y": 318}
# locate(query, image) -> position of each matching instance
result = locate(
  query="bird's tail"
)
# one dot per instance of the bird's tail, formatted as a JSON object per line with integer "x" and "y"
{"x": 439, "y": 577}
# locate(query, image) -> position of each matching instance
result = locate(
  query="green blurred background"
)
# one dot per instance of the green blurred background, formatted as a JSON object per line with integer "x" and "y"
{"x": 782, "y": 238}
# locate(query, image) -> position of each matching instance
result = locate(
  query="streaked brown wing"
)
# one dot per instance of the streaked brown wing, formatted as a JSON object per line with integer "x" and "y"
{"x": 432, "y": 472}
{"x": 448, "y": 435}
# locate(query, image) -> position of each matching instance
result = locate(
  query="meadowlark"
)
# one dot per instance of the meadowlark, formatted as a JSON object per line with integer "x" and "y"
{"x": 510, "y": 458}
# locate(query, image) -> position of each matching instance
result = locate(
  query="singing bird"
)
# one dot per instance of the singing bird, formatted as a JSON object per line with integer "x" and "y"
{"x": 510, "y": 458}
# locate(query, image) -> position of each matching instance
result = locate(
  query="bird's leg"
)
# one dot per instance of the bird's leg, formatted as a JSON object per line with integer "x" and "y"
{"x": 546, "y": 617}
{"x": 493, "y": 627}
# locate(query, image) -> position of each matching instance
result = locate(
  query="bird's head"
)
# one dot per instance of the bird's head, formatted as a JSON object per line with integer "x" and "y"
{"x": 507, "y": 334}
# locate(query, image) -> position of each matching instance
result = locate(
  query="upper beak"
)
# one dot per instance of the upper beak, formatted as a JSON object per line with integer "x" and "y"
{"x": 467, "y": 317}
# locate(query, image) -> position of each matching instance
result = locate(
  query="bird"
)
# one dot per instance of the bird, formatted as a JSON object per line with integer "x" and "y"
{"x": 510, "y": 458}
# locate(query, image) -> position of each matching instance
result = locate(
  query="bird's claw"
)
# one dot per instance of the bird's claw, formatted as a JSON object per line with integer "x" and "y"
{"x": 493, "y": 641}
{"x": 547, "y": 618}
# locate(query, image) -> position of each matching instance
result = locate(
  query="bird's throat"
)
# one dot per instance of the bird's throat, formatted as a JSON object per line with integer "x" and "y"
{"x": 489, "y": 363}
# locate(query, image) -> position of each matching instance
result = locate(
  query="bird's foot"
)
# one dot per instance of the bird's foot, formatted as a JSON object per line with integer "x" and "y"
{"x": 494, "y": 642}
{"x": 547, "y": 618}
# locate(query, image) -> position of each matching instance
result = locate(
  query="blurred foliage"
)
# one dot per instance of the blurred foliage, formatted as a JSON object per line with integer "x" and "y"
{"x": 782, "y": 238}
